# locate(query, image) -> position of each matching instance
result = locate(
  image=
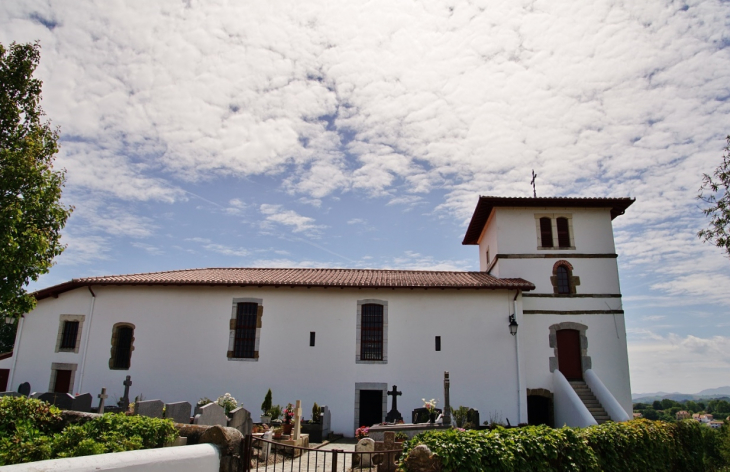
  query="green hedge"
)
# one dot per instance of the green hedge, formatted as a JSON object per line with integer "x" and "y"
{"x": 639, "y": 445}
{"x": 32, "y": 430}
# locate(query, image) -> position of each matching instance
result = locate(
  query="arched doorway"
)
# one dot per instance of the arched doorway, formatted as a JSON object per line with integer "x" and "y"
{"x": 540, "y": 407}
{"x": 569, "y": 354}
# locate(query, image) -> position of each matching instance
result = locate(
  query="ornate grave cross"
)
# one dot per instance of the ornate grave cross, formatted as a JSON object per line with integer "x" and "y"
{"x": 124, "y": 402}
{"x": 387, "y": 463}
{"x": 297, "y": 420}
{"x": 394, "y": 415}
{"x": 447, "y": 406}
{"x": 102, "y": 396}
{"x": 534, "y": 176}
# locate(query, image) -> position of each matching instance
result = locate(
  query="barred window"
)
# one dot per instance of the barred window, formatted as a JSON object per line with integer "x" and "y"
{"x": 546, "y": 232}
{"x": 563, "y": 279}
{"x": 70, "y": 331}
{"x": 563, "y": 232}
{"x": 371, "y": 345}
{"x": 245, "y": 341}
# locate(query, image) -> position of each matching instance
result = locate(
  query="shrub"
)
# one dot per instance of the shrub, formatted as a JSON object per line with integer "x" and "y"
{"x": 639, "y": 445}
{"x": 30, "y": 430}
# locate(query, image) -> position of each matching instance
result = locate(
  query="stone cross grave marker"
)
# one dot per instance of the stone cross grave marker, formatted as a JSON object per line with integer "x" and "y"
{"x": 151, "y": 408}
{"x": 394, "y": 415}
{"x": 211, "y": 414}
{"x": 124, "y": 402}
{"x": 447, "y": 406}
{"x": 387, "y": 464}
{"x": 24, "y": 389}
{"x": 64, "y": 401}
{"x": 297, "y": 420}
{"x": 241, "y": 420}
{"x": 178, "y": 412}
{"x": 102, "y": 396}
{"x": 82, "y": 403}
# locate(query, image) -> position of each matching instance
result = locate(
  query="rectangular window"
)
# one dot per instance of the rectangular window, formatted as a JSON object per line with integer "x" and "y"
{"x": 371, "y": 345}
{"x": 245, "y": 341}
{"x": 70, "y": 331}
{"x": 311, "y": 338}
{"x": 438, "y": 343}
{"x": 123, "y": 347}
{"x": 546, "y": 232}
{"x": 563, "y": 232}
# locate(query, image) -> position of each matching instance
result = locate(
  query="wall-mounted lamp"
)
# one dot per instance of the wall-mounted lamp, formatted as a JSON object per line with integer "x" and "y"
{"x": 513, "y": 325}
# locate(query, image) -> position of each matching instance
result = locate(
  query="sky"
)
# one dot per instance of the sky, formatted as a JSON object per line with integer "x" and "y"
{"x": 360, "y": 134}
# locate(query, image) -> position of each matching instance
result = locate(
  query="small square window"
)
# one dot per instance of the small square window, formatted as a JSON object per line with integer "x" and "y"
{"x": 438, "y": 343}
{"x": 311, "y": 338}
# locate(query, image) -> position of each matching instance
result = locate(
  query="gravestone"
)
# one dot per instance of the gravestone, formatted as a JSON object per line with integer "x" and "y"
{"x": 446, "y": 420}
{"x": 82, "y": 403}
{"x": 422, "y": 415}
{"x": 124, "y": 401}
{"x": 325, "y": 420}
{"x": 472, "y": 416}
{"x": 241, "y": 420}
{"x": 211, "y": 414}
{"x": 366, "y": 445}
{"x": 64, "y": 401}
{"x": 386, "y": 462}
{"x": 394, "y": 415}
{"x": 10, "y": 394}
{"x": 102, "y": 396}
{"x": 24, "y": 389}
{"x": 151, "y": 408}
{"x": 178, "y": 412}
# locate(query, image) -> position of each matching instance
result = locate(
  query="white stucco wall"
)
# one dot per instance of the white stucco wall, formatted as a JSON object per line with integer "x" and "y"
{"x": 181, "y": 338}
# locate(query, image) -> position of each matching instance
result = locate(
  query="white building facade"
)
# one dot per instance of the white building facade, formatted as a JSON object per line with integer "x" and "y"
{"x": 344, "y": 337}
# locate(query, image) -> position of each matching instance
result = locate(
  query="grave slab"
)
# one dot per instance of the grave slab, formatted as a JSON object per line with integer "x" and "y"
{"x": 82, "y": 403}
{"x": 178, "y": 412}
{"x": 211, "y": 414}
{"x": 64, "y": 401}
{"x": 10, "y": 394}
{"x": 241, "y": 420}
{"x": 151, "y": 408}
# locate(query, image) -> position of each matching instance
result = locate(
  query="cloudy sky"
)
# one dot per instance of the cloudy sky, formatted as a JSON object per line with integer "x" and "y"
{"x": 360, "y": 134}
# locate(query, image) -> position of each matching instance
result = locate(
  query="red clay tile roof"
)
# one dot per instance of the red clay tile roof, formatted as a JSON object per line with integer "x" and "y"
{"x": 486, "y": 203}
{"x": 357, "y": 278}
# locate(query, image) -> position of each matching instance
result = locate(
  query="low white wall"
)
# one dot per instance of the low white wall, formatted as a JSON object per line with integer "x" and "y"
{"x": 608, "y": 402}
{"x": 569, "y": 409}
{"x": 197, "y": 458}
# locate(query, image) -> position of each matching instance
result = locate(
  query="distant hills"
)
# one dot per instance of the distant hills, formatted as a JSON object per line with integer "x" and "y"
{"x": 707, "y": 394}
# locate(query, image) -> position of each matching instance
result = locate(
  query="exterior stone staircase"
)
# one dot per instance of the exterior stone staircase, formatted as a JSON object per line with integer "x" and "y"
{"x": 590, "y": 401}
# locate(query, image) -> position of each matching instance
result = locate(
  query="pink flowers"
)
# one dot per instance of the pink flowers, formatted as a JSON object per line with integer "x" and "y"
{"x": 362, "y": 432}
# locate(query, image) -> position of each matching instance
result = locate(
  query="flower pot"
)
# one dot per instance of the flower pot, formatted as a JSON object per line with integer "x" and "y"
{"x": 287, "y": 428}
{"x": 431, "y": 418}
{"x": 265, "y": 419}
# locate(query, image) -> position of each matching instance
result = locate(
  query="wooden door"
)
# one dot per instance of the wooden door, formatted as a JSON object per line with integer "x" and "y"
{"x": 569, "y": 355}
{"x": 63, "y": 381}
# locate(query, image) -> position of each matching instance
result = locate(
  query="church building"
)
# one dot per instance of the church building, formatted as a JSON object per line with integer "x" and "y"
{"x": 537, "y": 335}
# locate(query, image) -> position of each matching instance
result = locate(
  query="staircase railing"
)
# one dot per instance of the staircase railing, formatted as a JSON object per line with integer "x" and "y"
{"x": 569, "y": 408}
{"x": 603, "y": 395}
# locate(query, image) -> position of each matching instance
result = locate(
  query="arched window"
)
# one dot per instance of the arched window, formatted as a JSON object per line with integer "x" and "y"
{"x": 563, "y": 280}
{"x": 546, "y": 232}
{"x": 563, "y": 232}
{"x": 122, "y": 346}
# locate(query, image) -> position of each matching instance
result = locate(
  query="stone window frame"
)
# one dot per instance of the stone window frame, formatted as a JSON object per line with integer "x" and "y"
{"x": 115, "y": 340}
{"x": 554, "y": 224}
{"x": 232, "y": 329}
{"x": 369, "y": 386}
{"x": 585, "y": 359}
{"x": 55, "y": 367}
{"x": 61, "y": 323}
{"x": 573, "y": 281}
{"x": 358, "y": 331}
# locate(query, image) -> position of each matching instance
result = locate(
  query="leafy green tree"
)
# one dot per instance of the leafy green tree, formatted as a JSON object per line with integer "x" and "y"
{"x": 7, "y": 335}
{"x": 31, "y": 214}
{"x": 714, "y": 192}
{"x": 650, "y": 414}
{"x": 657, "y": 405}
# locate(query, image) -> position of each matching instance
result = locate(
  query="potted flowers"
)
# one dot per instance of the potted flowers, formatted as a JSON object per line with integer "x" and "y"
{"x": 430, "y": 405}
{"x": 362, "y": 432}
{"x": 288, "y": 416}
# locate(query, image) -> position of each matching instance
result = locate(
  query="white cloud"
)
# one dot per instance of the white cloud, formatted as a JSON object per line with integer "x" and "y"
{"x": 677, "y": 363}
{"x": 299, "y": 223}
{"x": 82, "y": 250}
{"x": 415, "y": 261}
{"x": 226, "y": 250}
{"x": 149, "y": 248}
{"x": 356, "y": 221}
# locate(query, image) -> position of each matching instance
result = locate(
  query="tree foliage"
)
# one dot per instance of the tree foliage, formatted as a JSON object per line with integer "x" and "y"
{"x": 31, "y": 214}
{"x": 714, "y": 191}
